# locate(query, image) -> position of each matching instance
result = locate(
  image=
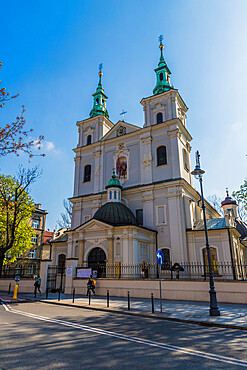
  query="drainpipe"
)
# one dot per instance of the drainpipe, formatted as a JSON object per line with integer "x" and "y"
{"x": 230, "y": 245}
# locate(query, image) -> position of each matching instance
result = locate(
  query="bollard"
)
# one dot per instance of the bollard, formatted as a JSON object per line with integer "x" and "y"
{"x": 107, "y": 298}
{"x": 89, "y": 297}
{"x": 46, "y": 293}
{"x": 152, "y": 300}
{"x": 128, "y": 300}
{"x": 9, "y": 288}
{"x": 15, "y": 291}
{"x": 74, "y": 295}
{"x": 59, "y": 293}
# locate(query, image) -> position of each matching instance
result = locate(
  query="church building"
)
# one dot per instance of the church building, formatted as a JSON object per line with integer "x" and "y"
{"x": 133, "y": 191}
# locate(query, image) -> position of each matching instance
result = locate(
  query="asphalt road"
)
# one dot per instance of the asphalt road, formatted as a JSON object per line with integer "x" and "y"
{"x": 43, "y": 336}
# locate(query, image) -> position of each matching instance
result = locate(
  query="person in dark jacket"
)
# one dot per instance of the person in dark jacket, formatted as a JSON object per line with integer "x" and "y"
{"x": 91, "y": 285}
{"x": 37, "y": 285}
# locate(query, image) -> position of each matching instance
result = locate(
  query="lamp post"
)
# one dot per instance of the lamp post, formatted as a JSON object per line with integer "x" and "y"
{"x": 214, "y": 308}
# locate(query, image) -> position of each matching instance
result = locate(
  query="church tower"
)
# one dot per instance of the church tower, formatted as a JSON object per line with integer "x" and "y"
{"x": 99, "y": 106}
{"x": 162, "y": 73}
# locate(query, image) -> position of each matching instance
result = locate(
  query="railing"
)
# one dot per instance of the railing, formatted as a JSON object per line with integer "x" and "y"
{"x": 169, "y": 271}
{"x": 22, "y": 272}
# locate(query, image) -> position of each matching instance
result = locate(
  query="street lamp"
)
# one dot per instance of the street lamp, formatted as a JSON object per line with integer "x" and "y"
{"x": 214, "y": 308}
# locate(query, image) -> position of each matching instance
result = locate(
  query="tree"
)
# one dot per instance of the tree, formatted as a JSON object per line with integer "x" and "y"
{"x": 215, "y": 201}
{"x": 16, "y": 210}
{"x": 66, "y": 216}
{"x": 241, "y": 199}
{"x": 13, "y": 137}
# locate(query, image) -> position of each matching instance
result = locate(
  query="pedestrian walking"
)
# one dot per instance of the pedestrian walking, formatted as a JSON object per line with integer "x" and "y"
{"x": 37, "y": 285}
{"x": 91, "y": 285}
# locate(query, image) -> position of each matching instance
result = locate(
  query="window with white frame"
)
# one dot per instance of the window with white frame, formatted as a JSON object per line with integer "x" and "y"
{"x": 36, "y": 224}
{"x": 31, "y": 269}
{"x": 34, "y": 239}
{"x": 143, "y": 250}
{"x": 33, "y": 254}
{"x": 161, "y": 215}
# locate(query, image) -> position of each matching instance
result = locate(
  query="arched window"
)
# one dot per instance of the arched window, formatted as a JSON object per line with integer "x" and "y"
{"x": 213, "y": 257}
{"x": 97, "y": 101}
{"x": 159, "y": 117}
{"x": 61, "y": 261}
{"x": 167, "y": 262}
{"x": 103, "y": 102}
{"x": 89, "y": 139}
{"x": 87, "y": 173}
{"x": 161, "y": 76}
{"x": 110, "y": 195}
{"x": 115, "y": 194}
{"x": 161, "y": 155}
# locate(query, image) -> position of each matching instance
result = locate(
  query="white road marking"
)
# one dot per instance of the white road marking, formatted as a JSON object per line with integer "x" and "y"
{"x": 188, "y": 351}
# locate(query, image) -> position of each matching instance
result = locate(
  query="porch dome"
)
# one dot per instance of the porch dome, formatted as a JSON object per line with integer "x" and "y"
{"x": 115, "y": 214}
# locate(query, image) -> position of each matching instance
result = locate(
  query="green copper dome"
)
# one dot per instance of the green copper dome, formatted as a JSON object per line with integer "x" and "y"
{"x": 115, "y": 214}
{"x": 113, "y": 182}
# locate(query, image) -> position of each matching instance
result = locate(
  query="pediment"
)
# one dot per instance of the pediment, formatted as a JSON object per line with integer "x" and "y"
{"x": 120, "y": 129}
{"x": 93, "y": 225}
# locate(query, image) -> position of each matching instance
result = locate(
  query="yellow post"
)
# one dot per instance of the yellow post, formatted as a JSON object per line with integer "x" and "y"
{"x": 15, "y": 291}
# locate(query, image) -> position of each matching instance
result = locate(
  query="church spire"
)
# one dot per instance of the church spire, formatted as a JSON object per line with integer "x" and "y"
{"x": 99, "y": 105}
{"x": 162, "y": 72}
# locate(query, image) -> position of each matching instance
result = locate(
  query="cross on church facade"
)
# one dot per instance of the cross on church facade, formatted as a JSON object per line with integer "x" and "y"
{"x": 123, "y": 113}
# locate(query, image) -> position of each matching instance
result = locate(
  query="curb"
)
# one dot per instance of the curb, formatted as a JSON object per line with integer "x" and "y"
{"x": 151, "y": 316}
{"x": 139, "y": 314}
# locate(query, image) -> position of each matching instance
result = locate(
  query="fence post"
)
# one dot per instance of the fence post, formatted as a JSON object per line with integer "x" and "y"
{"x": 9, "y": 288}
{"x": 108, "y": 298}
{"x": 59, "y": 293}
{"x": 89, "y": 297}
{"x": 46, "y": 293}
{"x": 74, "y": 295}
{"x": 152, "y": 300}
{"x": 128, "y": 300}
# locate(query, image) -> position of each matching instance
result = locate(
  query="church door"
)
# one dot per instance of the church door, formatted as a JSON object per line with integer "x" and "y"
{"x": 97, "y": 261}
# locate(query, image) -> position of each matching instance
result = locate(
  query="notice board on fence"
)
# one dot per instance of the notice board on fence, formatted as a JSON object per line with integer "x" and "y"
{"x": 84, "y": 272}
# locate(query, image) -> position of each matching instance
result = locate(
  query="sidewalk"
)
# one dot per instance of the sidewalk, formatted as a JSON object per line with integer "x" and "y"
{"x": 233, "y": 316}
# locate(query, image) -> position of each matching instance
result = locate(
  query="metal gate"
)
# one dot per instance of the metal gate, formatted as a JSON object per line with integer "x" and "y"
{"x": 55, "y": 279}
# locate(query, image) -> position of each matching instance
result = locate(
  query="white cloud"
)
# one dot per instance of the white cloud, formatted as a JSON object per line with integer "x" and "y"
{"x": 49, "y": 146}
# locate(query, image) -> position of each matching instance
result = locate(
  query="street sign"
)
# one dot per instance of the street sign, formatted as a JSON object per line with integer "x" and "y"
{"x": 17, "y": 278}
{"x": 160, "y": 257}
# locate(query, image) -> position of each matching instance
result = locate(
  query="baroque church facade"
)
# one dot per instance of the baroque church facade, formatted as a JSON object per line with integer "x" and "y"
{"x": 133, "y": 191}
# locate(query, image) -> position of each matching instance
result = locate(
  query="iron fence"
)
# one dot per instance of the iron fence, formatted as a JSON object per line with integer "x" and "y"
{"x": 22, "y": 272}
{"x": 169, "y": 271}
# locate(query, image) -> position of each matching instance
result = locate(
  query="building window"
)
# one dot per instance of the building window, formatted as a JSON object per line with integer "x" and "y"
{"x": 161, "y": 215}
{"x": 103, "y": 102}
{"x": 161, "y": 155}
{"x": 139, "y": 217}
{"x": 214, "y": 261}
{"x": 159, "y": 117}
{"x": 161, "y": 76}
{"x": 115, "y": 194}
{"x": 34, "y": 239}
{"x": 89, "y": 139}
{"x": 87, "y": 173}
{"x": 143, "y": 250}
{"x": 36, "y": 224}
{"x": 118, "y": 249}
{"x": 97, "y": 101}
{"x": 33, "y": 254}
{"x": 186, "y": 164}
{"x": 167, "y": 262}
{"x": 110, "y": 195}
{"x": 31, "y": 269}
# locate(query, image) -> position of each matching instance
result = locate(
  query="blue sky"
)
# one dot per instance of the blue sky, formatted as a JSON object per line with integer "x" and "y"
{"x": 51, "y": 51}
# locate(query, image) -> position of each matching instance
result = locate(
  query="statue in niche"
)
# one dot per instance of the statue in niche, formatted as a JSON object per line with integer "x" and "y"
{"x": 121, "y": 167}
